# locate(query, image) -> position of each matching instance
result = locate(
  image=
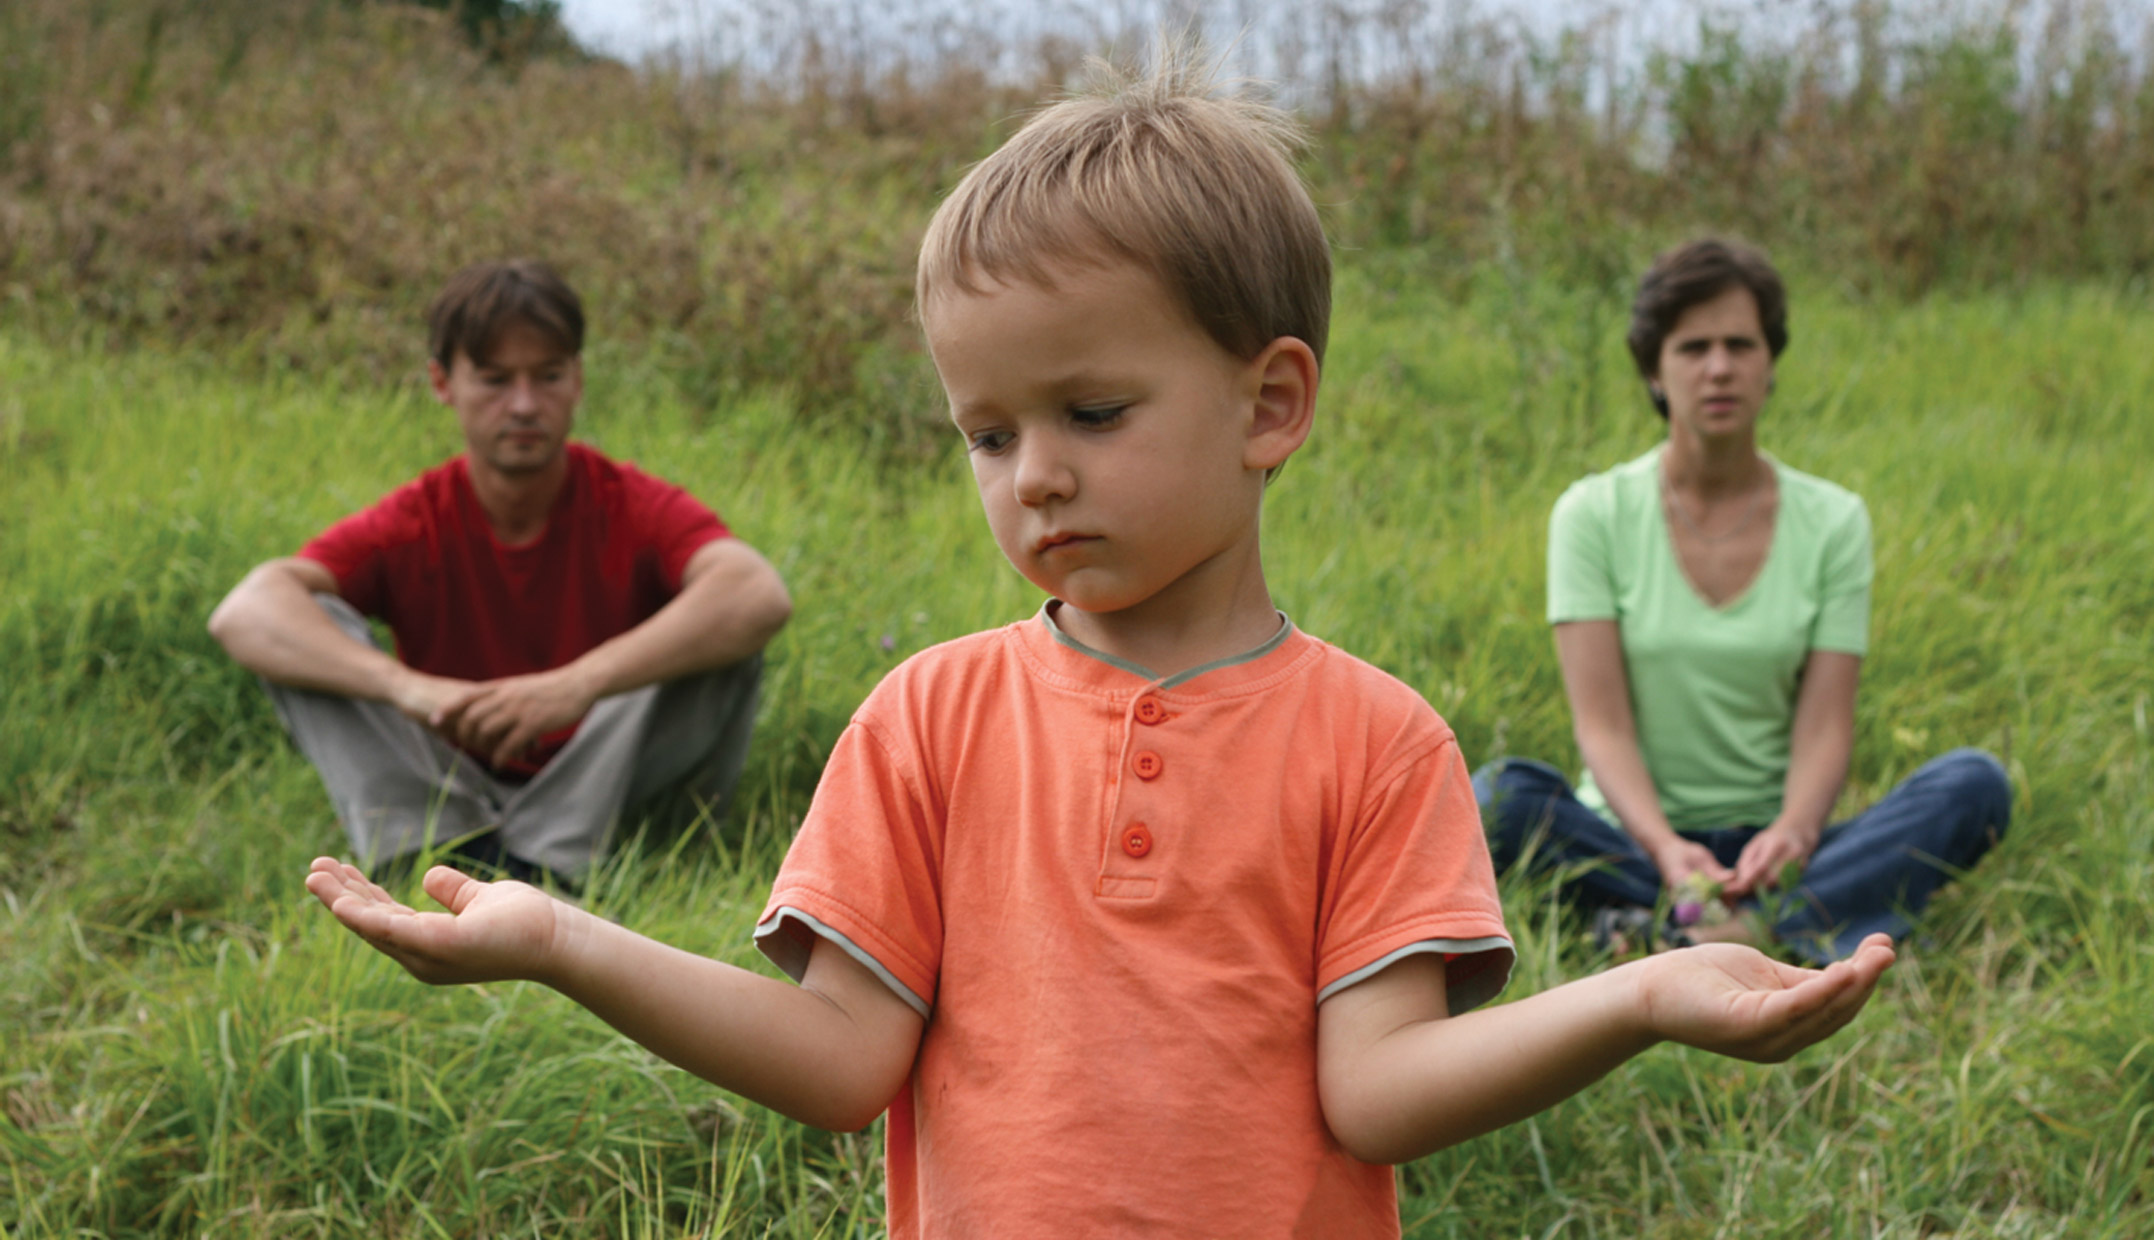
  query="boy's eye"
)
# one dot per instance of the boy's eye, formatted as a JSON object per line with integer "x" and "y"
{"x": 1097, "y": 416}
{"x": 988, "y": 441}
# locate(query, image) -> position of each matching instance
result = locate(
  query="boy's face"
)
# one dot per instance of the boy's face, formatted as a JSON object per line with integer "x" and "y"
{"x": 1120, "y": 452}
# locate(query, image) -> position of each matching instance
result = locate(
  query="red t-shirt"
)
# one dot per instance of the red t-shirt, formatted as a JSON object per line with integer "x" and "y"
{"x": 461, "y": 603}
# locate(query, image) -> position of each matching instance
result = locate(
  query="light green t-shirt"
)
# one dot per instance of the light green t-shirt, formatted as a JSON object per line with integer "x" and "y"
{"x": 1714, "y": 689}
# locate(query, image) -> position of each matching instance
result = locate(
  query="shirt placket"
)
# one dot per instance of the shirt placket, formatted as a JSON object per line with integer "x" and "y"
{"x": 1132, "y": 855}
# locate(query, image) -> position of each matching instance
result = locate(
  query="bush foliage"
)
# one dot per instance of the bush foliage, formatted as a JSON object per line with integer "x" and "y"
{"x": 294, "y": 180}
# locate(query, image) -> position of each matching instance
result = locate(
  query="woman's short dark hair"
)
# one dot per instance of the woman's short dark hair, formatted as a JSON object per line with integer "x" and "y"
{"x": 1696, "y": 272}
{"x": 481, "y": 301}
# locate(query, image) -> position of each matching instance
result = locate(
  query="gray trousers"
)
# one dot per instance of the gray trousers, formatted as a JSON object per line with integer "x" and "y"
{"x": 397, "y": 786}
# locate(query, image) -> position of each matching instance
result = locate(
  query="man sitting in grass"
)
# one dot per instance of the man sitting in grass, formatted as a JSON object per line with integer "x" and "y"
{"x": 1150, "y": 914}
{"x": 574, "y": 637}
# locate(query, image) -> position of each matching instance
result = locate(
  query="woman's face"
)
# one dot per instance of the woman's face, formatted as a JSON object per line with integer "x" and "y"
{"x": 1715, "y": 369}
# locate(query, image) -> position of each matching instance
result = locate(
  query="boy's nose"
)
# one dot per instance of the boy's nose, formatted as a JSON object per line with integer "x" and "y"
{"x": 1041, "y": 475}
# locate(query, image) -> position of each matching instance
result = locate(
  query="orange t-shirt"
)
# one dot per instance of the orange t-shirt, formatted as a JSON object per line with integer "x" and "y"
{"x": 1119, "y": 901}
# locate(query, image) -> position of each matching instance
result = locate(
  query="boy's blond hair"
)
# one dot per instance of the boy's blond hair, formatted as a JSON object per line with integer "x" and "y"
{"x": 1166, "y": 171}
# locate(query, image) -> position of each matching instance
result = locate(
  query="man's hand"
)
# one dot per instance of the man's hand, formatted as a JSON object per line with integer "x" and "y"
{"x": 1734, "y": 1001}
{"x": 492, "y": 932}
{"x": 1682, "y": 857}
{"x": 1762, "y": 861}
{"x": 423, "y": 698}
{"x": 502, "y": 718}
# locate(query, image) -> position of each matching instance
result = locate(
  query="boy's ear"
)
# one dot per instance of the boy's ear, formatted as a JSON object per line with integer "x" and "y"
{"x": 1285, "y": 376}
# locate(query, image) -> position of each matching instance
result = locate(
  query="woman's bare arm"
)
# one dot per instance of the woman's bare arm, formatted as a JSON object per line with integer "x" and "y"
{"x": 1591, "y": 654}
{"x": 1819, "y": 744}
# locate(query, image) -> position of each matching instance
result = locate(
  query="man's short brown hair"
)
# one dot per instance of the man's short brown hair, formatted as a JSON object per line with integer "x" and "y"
{"x": 480, "y": 302}
{"x": 1698, "y": 272}
{"x": 1166, "y": 171}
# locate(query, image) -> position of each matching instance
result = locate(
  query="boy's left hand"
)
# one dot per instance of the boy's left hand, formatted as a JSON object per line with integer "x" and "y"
{"x": 1735, "y": 1001}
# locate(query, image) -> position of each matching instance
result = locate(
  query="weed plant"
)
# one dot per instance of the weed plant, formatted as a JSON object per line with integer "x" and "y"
{"x": 290, "y": 181}
{"x": 188, "y": 1047}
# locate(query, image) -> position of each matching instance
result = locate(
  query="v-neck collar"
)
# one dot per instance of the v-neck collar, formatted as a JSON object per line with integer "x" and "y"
{"x": 1676, "y": 562}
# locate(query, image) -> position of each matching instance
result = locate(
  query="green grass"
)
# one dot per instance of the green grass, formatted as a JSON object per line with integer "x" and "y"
{"x": 187, "y": 1047}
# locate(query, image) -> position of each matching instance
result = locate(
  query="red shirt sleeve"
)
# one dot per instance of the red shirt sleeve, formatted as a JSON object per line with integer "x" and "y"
{"x": 357, "y": 549}
{"x": 672, "y": 521}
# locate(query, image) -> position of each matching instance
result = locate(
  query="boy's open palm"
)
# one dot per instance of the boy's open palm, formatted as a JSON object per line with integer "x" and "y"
{"x": 492, "y": 931}
{"x": 1735, "y": 1001}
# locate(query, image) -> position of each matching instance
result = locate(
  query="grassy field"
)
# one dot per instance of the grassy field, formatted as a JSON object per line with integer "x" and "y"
{"x": 188, "y": 1047}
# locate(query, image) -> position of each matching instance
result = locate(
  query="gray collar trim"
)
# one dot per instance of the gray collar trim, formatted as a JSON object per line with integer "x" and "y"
{"x": 1259, "y": 651}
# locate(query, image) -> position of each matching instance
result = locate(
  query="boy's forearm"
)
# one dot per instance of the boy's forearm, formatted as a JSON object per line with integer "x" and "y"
{"x": 1436, "y": 1083}
{"x": 1399, "y": 1078}
{"x": 830, "y": 1055}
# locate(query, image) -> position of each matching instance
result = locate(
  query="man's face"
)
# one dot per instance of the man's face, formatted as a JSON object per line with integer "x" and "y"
{"x": 1108, "y": 436}
{"x": 516, "y": 408}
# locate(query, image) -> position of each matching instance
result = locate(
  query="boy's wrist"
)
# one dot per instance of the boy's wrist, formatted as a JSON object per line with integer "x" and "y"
{"x": 1634, "y": 1002}
{"x": 570, "y": 951}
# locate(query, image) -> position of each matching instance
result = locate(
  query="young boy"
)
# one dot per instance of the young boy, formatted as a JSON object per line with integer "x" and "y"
{"x": 1150, "y": 914}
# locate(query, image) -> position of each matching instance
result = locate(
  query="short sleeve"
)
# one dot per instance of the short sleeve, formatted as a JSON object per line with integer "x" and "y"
{"x": 1581, "y": 585}
{"x": 1415, "y": 876}
{"x": 675, "y": 523}
{"x": 356, "y": 550}
{"x": 862, "y": 873}
{"x": 1845, "y": 590}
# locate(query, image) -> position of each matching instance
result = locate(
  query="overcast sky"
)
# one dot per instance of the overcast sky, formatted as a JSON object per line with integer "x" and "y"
{"x": 633, "y": 29}
{"x": 630, "y": 29}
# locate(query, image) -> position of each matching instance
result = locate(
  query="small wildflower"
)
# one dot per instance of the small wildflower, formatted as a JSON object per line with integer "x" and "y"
{"x": 1699, "y": 902}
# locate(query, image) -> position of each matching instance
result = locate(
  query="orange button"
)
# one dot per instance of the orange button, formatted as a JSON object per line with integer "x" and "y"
{"x": 1150, "y": 710}
{"x": 1137, "y": 841}
{"x": 1148, "y": 765}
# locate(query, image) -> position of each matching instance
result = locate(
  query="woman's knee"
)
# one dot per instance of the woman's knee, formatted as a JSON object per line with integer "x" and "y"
{"x": 1977, "y": 797}
{"x": 1515, "y": 791}
{"x": 1515, "y": 796}
{"x": 1979, "y": 781}
{"x": 1510, "y": 778}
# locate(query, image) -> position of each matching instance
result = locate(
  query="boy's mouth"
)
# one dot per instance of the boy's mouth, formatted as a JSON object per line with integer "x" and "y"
{"x": 1049, "y": 542}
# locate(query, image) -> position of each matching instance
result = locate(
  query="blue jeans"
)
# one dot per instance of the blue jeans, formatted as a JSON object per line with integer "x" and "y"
{"x": 1872, "y": 873}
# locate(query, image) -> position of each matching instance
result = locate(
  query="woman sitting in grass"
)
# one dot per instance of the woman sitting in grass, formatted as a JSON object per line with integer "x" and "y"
{"x": 1710, "y": 606}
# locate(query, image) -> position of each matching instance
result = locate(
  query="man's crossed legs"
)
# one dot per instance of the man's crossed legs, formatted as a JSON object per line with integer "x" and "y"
{"x": 399, "y": 787}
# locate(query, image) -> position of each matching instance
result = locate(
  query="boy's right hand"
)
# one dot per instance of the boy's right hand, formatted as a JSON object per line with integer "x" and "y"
{"x": 492, "y": 932}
